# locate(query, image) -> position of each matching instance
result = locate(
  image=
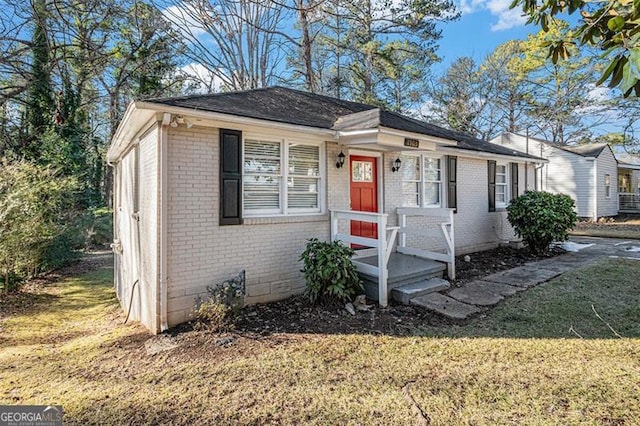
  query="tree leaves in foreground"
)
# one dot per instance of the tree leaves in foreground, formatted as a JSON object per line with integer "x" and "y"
{"x": 34, "y": 203}
{"x": 611, "y": 25}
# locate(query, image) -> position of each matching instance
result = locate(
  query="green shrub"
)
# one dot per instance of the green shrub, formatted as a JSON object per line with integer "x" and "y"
{"x": 36, "y": 203}
{"x": 329, "y": 272}
{"x": 94, "y": 228}
{"x": 211, "y": 315}
{"x": 540, "y": 218}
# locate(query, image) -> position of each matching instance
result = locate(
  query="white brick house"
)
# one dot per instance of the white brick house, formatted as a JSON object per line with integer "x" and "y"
{"x": 206, "y": 186}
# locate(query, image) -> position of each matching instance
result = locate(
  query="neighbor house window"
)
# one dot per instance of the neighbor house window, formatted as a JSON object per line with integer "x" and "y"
{"x": 280, "y": 177}
{"x": 421, "y": 181}
{"x": 607, "y": 185}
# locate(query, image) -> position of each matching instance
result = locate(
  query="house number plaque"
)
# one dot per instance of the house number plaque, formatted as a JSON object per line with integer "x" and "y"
{"x": 411, "y": 143}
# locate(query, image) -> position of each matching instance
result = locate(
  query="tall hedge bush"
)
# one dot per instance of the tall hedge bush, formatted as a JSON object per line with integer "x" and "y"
{"x": 540, "y": 218}
{"x": 35, "y": 206}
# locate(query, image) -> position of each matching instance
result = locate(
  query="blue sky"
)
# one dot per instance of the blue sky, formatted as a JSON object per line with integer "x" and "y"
{"x": 483, "y": 26}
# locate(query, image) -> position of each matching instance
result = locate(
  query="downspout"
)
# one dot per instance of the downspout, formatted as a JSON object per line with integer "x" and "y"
{"x": 162, "y": 221}
{"x": 594, "y": 215}
{"x": 526, "y": 165}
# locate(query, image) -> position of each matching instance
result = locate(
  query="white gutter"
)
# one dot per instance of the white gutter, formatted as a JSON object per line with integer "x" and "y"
{"x": 229, "y": 118}
{"x": 489, "y": 155}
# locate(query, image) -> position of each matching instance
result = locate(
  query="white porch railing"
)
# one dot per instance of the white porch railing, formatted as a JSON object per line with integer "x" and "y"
{"x": 444, "y": 230}
{"x": 383, "y": 244}
{"x": 628, "y": 202}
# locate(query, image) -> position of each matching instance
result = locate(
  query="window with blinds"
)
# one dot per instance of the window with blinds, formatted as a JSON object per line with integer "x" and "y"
{"x": 421, "y": 181}
{"x": 281, "y": 177}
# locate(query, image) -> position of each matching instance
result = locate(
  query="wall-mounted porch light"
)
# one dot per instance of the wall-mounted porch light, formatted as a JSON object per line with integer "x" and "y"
{"x": 396, "y": 165}
{"x": 340, "y": 161}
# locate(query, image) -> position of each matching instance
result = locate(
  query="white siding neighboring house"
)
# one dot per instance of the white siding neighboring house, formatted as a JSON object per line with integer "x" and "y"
{"x": 206, "y": 186}
{"x": 587, "y": 173}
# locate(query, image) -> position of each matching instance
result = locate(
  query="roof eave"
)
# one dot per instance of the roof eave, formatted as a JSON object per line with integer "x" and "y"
{"x": 482, "y": 155}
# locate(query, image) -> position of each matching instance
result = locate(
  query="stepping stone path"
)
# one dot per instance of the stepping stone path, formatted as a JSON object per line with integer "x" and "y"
{"x": 445, "y": 305}
{"x": 474, "y": 297}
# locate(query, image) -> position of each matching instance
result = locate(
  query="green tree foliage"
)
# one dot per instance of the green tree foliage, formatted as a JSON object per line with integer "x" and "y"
{"x": 518, "y": 89}
{"x": 329, "y": 272}
{"x": 540, "y": 218}
{"x": 611, "y": 25}
{"x": 35, "y": 202}
{"x": 39, "y": 102}
{"x": 385, "y": 46}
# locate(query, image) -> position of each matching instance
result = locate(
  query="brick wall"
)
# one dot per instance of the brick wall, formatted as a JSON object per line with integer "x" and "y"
{"x": 200, "y": 252}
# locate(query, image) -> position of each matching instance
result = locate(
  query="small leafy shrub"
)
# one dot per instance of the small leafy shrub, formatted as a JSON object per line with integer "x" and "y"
{"x": 223, "y": 303}
{"x": 329, "y": 272}
{"x": 211, "y": 315}
{"x": 540, "y": 218}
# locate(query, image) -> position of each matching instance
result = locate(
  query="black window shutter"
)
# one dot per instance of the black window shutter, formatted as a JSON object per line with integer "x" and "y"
{"x": 492, "y": 185}
{"x": 452, "y": 190}
{"x": 230, "y": 177}
{"x": 514, "y": 180}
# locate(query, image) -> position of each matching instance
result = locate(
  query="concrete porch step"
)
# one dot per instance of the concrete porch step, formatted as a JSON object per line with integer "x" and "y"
{"x": 405, "y": 293}
{"x": 404, "y": 269}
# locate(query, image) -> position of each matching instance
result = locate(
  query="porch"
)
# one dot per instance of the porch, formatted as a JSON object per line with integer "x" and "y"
{"x": 399, "y": 261}
{"x": 628, "y": 202}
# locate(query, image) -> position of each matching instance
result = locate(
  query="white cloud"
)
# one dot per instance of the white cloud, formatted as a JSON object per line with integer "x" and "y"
{"x": 203, "y": 80}
{"x": 507, "y": 18}
{"x": 186, "y": 19}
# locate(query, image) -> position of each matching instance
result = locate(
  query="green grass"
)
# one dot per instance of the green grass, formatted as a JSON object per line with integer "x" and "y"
{"x": 522, "y": 363}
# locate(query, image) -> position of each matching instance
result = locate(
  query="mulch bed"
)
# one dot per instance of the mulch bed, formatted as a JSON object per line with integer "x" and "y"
{"x": 296, "y": 315}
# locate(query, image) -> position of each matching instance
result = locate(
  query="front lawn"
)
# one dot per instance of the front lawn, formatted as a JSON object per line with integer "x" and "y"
{"x": 521, "y": 363}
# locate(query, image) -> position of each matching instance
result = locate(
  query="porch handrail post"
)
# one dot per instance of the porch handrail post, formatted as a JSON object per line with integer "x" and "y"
{"x": 382, "y": 260}
{"x": 334, "y": 224}
{"x": 403, "y": 235}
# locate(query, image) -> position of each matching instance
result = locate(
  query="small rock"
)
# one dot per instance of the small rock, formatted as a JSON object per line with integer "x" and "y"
{"x": 467, "y": 258}
{"x": 225, "y": 341}
{"x": 349, "y": 307}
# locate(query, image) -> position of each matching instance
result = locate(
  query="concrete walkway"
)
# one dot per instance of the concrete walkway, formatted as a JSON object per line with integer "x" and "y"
{"x": 476, "y": 296}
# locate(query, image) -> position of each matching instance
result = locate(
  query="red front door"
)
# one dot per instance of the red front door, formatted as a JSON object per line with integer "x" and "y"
{"x": 364, "y": 193}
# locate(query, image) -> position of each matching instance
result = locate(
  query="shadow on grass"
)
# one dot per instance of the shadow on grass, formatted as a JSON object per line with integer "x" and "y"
{"x": 59, "y": 312}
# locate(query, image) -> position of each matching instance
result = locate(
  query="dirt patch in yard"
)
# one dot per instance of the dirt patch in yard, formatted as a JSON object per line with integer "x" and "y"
{"x": 622, "y": 226}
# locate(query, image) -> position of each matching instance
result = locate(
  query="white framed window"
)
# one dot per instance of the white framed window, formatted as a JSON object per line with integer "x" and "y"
{"x": 281, "y": 177}
{"x": 607, "y": 185}
{"x": 422, "y": 180}
{"x": 502, "y": 185}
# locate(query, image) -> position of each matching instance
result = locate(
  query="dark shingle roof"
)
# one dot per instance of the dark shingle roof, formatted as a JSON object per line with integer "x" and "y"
{"x": 284, "y": 105}
{"x": 590, "y": 150}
